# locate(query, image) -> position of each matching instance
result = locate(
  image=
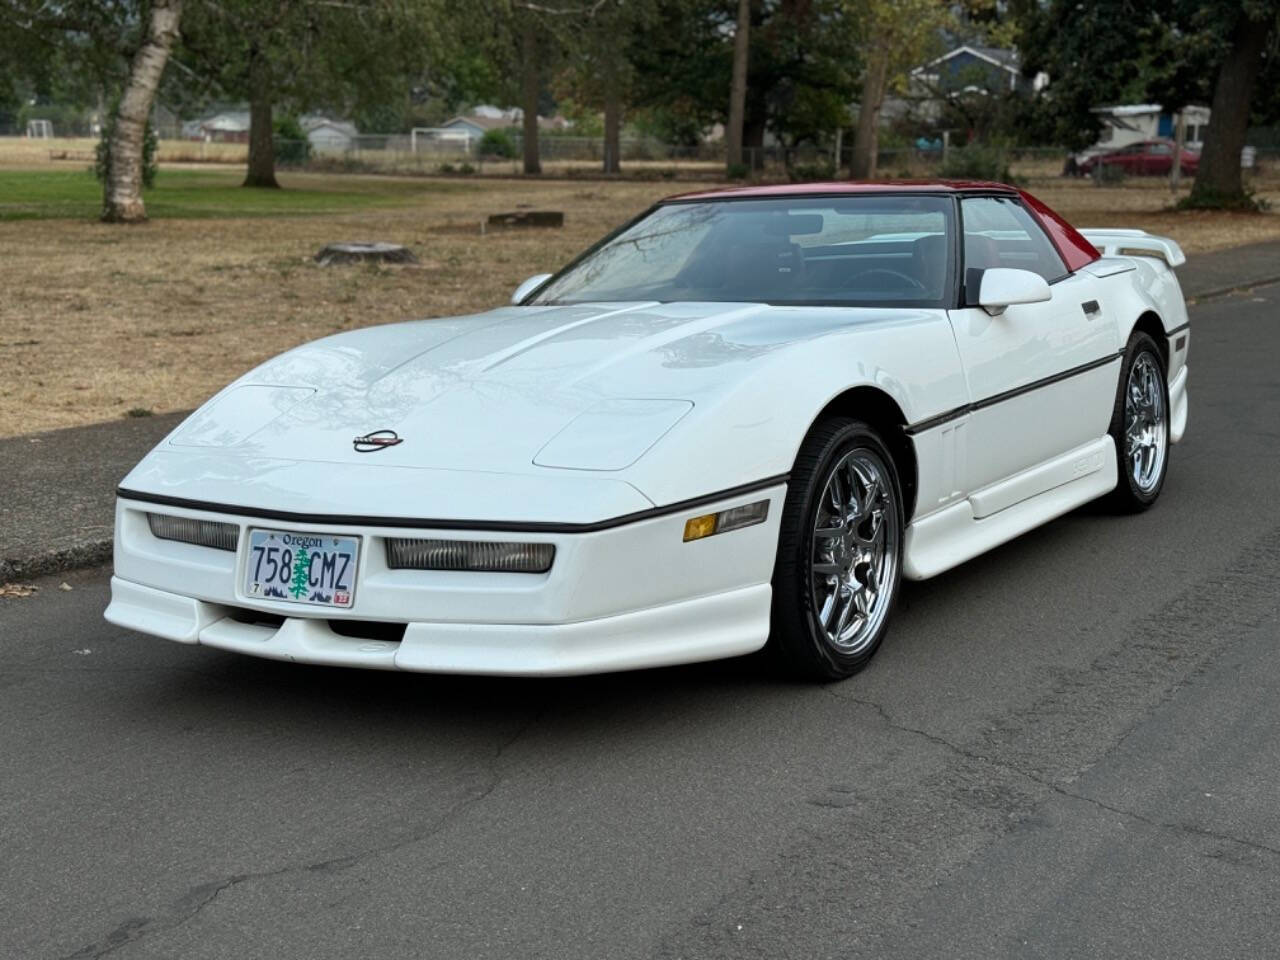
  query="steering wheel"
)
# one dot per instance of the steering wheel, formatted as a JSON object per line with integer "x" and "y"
{"x": 910, "y": 280}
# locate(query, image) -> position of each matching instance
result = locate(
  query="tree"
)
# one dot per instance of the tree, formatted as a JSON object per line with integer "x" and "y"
{"x": 1096, "y": 54}
{"x": 530, "y": 88}
{"x": 1160, "y": 51}
{"x": 301, "y": 573}
{"x": 896, "y": 35}
{"x": 303, "y": 54}
{"x": 1219, "y": 180}
{"x": 122, "y": 191}
{"x": 738, "y": 87}
{"x": 803, "y": 67}
{"x": 90, "y": 51}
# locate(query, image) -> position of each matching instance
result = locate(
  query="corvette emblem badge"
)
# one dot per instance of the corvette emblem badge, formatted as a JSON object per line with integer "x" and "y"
{"x": 378, "y": 440}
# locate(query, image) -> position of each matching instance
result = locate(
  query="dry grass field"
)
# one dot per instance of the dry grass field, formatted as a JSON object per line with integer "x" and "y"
{"x": 98, "y": 322}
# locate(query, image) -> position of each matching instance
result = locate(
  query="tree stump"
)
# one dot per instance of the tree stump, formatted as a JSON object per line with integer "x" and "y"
{"x": 525, "y": 218}
{"x": 364, "y": 253}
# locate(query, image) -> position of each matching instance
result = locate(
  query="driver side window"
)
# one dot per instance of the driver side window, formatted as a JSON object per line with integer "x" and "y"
{"x": 999, "y": 232}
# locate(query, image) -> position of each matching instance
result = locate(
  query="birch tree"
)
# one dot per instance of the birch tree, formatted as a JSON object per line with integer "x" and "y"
{"x": 122, "y": 199}
{"x": 117, "y": 48}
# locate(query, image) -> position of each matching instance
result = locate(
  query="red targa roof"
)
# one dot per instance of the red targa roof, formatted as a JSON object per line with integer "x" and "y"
{"x": 1075, "y": 250}
{"x": 851, "y": 186}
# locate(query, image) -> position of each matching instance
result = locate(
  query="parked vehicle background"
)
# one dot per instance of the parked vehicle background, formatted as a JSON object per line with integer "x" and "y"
{"x": 1148, "y": 158}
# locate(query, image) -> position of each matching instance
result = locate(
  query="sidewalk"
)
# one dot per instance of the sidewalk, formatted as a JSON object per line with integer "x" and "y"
{"x": 58, "y": 491}
{"x": 57, "y": 495}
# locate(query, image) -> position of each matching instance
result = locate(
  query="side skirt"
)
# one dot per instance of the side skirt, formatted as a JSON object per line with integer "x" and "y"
{"x": 954, "y": 534}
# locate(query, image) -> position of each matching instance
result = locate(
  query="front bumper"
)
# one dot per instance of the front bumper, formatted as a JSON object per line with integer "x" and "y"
{"x": 623, "y": 598}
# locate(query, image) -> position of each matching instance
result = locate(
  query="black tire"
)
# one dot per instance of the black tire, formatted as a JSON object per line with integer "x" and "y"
{"x": 1131, "y": 495}
{"x": 799, "y": 643}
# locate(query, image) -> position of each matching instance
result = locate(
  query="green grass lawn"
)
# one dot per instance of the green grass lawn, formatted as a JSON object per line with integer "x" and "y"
{"x": 75, "y": 194}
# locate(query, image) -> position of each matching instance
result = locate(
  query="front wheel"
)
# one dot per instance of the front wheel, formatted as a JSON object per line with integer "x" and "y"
{"x": 839, "y": 561}
{"x": 1140, "y": 426}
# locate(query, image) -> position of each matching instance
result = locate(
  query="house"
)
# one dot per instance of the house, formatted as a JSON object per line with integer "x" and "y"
{"x": 968, "y": 69}
{"x": 473, "y": 125}
{"x": 325, "y": 134}
{"x": 482, "y": 119}
{"x": 1133, "y": 123}
{"x": 232, "y": 126}
{"x": 227, "y": 126}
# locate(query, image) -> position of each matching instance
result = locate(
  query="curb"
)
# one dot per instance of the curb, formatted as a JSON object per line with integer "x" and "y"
{"x": 1240, "y": 286}
{"x": 88, "y": 553}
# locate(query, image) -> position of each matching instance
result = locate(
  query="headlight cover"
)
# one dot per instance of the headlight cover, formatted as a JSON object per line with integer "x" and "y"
{"x": 612, "y": 435}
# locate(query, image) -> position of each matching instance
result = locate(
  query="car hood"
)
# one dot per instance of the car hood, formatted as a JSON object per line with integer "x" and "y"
{"x": 490, "y": 392}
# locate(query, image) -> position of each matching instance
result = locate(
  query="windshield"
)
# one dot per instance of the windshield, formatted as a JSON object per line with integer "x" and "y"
{"x": 860, "y": 250}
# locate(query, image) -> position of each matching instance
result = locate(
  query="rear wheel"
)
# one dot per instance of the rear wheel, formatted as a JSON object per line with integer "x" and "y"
{"x": 839, "y": 561}
{"x": 1140, "y": 426}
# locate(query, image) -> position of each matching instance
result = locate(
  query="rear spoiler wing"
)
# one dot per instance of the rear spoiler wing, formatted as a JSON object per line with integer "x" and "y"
{"x": 1114, "y": 242}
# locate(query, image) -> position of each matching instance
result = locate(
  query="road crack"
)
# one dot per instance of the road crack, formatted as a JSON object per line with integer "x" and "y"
{"x": 969, "y": 755}
{"x": 189, "y": 906}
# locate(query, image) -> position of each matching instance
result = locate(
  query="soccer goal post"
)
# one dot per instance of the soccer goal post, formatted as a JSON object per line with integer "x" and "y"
{"x": 40, "y": 129}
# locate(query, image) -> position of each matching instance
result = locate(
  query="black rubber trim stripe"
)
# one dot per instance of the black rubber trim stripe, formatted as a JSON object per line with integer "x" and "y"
{"x": 1185, "y": 326}
{"x": 920, "y": 426}
{"x": 512, "y": 526}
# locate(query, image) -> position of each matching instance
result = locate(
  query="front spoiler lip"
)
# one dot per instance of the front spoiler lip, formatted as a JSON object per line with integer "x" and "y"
{"x": 725, "y": 624}
{"x": 512, "y": 526}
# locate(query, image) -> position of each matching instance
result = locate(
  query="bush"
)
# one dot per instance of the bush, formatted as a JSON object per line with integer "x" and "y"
{"x": 102, "y": 152}
{"x": 497, "y": 143}
{"x": 808, "y": 172}
{"x": 977, "y": 161}
{"x": 293, "y": 149}
{"x": 737, "y": 171}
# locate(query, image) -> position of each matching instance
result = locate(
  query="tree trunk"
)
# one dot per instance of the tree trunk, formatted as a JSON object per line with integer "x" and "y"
{"x": 530, "y": 86}
{"x": 122, "y": 193}
{"x": 738, "y": 87}
{"x": 262, "y": 135}
{"x": 866, "y": 138}
{"x": 1218, "y": 180}
{"x": 1179, "y": 138}
{"x": 612, "y": 116}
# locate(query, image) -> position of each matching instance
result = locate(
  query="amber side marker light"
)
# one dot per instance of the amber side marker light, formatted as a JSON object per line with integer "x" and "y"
{"x": 735, "y": 518}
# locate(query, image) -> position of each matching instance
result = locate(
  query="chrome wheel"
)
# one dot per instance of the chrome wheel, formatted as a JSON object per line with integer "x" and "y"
{"x": 1146, "y": 436}
{"x": 855, "y": 550}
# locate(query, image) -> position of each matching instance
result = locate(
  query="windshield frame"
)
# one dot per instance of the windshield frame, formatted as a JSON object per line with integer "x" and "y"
{"x": 951, "y": 291}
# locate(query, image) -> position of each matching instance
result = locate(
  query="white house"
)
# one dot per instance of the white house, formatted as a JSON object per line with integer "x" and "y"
{"x": 331, "y": 135}
{"x": 1135, "y": 122}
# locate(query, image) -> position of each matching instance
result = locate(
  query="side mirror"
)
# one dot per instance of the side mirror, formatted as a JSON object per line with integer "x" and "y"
{"x": 1002, "y": 287}
{"x": 530, "y": 285}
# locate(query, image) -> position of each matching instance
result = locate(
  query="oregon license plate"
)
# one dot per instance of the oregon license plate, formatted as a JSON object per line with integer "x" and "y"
{"x": 313, "y": 568}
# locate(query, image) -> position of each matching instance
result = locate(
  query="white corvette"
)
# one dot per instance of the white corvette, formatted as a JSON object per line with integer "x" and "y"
{"x": 738, "y": 421}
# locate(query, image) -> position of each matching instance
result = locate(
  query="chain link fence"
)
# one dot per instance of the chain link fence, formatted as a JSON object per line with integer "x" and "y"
{"x": 640, "y": 158}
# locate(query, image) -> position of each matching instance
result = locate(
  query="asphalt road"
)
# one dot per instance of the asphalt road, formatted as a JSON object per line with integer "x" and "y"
{"x": 1067, "y": 748}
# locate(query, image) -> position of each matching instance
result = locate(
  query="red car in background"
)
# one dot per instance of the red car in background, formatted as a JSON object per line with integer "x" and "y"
{"x": 1150, "y": 158}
